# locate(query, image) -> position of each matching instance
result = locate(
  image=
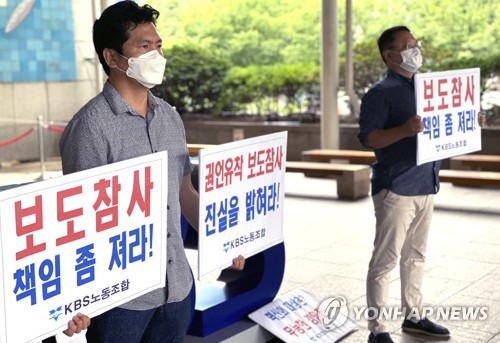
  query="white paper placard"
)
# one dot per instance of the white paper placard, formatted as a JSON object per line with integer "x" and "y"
{"x": 84, "y": 242}
{"x": 449, "y": 104}
{"x": 298, "y": 316}
{"x": 241, "y": 186}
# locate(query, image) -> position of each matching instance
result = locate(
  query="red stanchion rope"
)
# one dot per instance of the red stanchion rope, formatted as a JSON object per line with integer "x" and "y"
{"x": 18, "y": 138}
{"x": 55, "y": 128}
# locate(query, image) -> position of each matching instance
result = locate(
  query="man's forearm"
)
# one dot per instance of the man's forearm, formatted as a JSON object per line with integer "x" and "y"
{"x": 381, "y": 138}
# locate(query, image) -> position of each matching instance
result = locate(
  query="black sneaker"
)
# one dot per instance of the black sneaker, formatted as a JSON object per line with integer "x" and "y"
{"x": 425, "y": 327}
{"x": 382, "y": 337}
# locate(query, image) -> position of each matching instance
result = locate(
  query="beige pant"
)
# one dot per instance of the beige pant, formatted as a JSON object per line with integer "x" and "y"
{"x": 401, "y": 230}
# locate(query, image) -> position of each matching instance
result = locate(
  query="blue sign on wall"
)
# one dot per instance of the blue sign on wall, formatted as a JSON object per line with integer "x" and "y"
{"x": 36, "y": 41}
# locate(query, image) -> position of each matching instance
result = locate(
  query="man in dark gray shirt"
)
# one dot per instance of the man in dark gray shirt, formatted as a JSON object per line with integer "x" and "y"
{"x": 125, "y": 121}
{"x": 402, "y": 192}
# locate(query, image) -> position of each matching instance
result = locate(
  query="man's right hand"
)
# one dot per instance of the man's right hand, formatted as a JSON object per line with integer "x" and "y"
{"x": 413, "y": 125}
{"x": 381, "y": 138}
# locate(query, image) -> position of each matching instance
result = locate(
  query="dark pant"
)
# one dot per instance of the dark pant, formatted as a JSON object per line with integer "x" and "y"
{"x": 167, "y": 323}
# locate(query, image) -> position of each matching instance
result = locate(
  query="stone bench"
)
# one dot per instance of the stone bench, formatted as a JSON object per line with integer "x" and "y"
{"x": 327, "y": 155}
{"x": 475, "y": 162}
{"x": 470, "y": 177}
{"x": 353, "y": 180}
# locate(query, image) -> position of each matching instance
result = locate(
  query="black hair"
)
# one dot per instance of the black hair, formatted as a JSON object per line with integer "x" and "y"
{"x": 111, "y": 30}
{"x": 387, "y": 38}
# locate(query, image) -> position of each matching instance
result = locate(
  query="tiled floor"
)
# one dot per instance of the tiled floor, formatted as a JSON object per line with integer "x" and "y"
{"x": 328, "y": 244}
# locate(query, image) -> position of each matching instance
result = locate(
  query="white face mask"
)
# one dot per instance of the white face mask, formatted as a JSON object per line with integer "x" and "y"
{"x": 412, "y": 59}
{"x": 147, "y": 69}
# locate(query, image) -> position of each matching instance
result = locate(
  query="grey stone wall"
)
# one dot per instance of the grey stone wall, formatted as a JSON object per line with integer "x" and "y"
{"x": 300, "y": 136}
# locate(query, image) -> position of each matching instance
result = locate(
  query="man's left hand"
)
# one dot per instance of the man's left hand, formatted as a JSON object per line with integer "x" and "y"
{"x": 481, "y": 119}
{"x": 77, "y": 324}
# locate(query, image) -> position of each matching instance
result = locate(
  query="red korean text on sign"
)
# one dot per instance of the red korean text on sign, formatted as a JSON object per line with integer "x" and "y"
{"x": 274, "y": 159}
{"x": 442, "y": 93}
{"x": 138, "y": 198}
{"x": 301, "y": 326}
{"x": 456, "y": 92}
{"x": 256, "y": 163}
{"x": 428, "y": 94}
{"x": 69, "y": 215}
{"x": 469, "y": 89}
{"x": 209, "y": 178}
{"x": 312, "y": 316}
{"x": 265, "y": 161}
{"x": 27, "y": 230}
{"x": 221, "y": 173}
{"x": 111, "y": 204}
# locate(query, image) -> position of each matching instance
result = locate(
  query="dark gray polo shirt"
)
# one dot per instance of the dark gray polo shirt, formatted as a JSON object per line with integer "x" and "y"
{"x": 390, "y": 103}
{"x": 108, "y": 130}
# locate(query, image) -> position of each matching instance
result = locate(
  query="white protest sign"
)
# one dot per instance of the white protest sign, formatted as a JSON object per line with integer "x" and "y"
{"x": 241, "y": 186}
{"x": 449, "y": 105}
{"x": 298, "y": 316}
{"x": 84, "y": 242}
